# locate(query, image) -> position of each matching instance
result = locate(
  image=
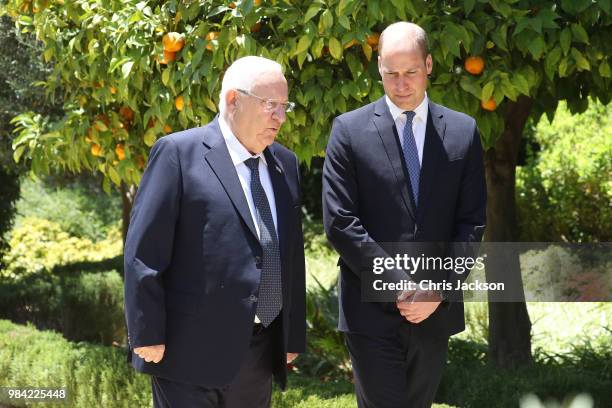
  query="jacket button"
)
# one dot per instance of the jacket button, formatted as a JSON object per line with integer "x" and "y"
{"x": 253, "y": 298}
{"x": 258, "y": 262}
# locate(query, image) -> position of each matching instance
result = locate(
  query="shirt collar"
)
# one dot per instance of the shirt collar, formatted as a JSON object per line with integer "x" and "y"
{"x": 420, "y": 111}
{"x": 237, "y": 151}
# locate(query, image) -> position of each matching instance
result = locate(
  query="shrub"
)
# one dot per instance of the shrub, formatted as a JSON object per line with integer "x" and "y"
{"x": 327, "y": 356}
{"x": 95, "y": 376}
{"x": 82, "y": 306}
{"x": 78, "y": 206}
{"x": 38, "y": 245}
{"x": 565, "y": 193}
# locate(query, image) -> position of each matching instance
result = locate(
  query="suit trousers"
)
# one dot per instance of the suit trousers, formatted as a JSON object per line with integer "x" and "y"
{"x": 398, "y": 371}
{"x": 252, "y": 387}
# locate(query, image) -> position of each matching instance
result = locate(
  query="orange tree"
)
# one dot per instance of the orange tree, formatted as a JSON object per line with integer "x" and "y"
{"x": 133, "y": 70}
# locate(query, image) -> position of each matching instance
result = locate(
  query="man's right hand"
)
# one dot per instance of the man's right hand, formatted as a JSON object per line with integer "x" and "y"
{"x": 151, "y": 354}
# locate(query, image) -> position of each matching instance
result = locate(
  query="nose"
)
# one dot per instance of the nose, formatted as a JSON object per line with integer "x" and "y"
{"x": 402, "y": 82}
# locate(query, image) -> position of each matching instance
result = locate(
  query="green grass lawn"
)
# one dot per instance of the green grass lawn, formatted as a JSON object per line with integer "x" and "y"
{"x": 305, "y": 392}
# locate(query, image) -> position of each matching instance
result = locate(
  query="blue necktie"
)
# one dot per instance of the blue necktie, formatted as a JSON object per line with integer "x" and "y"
{"x": 411, "y": 155}
{"x": 270, "y": 288}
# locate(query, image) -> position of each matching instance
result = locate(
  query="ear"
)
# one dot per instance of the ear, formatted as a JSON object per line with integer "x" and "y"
{"x": 429, "y": 63}
{"x": 380, "y": 66}
{"x": 231, "y": 99}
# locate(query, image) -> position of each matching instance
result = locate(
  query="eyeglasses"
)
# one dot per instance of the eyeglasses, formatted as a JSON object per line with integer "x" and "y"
{"x": 270, "y": 105}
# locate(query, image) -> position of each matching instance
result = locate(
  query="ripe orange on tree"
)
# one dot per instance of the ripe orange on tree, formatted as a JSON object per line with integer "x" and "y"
{"x": 373, "y": 40}
{"x": 126, "y": 113}
{"x": 210, "y": 36}
{"x": 179, "y": 102}
{"x": 96, "y": 150}
{"x": 256, "y": 27}
{"x": 120, "y": 151}
{"x": 173, "y": 42}
{"x": 474, "y": 65}
{"x": 168, "y": 56}
{"x": 167, "y": 129}
{"x": 489, "y": 105}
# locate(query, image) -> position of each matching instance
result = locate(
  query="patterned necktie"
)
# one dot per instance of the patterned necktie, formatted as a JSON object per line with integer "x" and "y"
{"x": 411, "y": 155}
{"x": 270, "y": 287}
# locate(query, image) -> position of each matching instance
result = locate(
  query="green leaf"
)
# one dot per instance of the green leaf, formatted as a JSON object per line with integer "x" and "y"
{"x": 18, "y": 153}
{"x": 470, "y": 87}
{"x": 166, "y": 76}
{"x": 550, "y": 64}
{"x": 367, "y": 50}
{"x": 487, "y": 91}
{"x": 126, "y": 68}
{"x": 580, "y": 33}
{"x": 522, "y": 24}
{"x": 521, "y": 83}
{"x": 509, "y": 89}
{"x": 548, "y": 17}
{"x": 106, "y": 185}
{"x": 604, "y": 69}
{"x": 150, "y": 137}
{"x": 326, "y": 21}
{"x": 563, "y": 67}
{"x": 101, "y": 126}
{"x": 605, "y": 5}
{"x": 335, "y": 48}
{"x": 114, "y": 176}
{"x": 537, "y": 47}
{"x": 501, "y": 7}
{"x": 344, "y": 22}
{"x": 565, "y": 40}
{"x": 116, "y": 63}
{"x": 581, "y": 62}
{"x": 303, "y": 44}
{"x": 468, "y": 6}
{"x": 499, "y": 36}
{"x": 209, "y": 104}
{"x": 313, "y": 10}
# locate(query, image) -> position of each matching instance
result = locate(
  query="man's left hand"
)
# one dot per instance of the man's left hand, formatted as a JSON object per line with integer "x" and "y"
{"x": 419, "y": 307}
{"x": 291, "y": 357}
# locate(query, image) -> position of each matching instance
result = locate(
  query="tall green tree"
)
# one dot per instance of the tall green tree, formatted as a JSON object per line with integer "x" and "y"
{"x": 20, "y": 66}
{"x": 124, "y": 88}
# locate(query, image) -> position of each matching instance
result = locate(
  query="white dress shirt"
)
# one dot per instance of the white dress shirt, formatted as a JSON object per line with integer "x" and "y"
{"x": 419, "y": 123}
{"x": 239, "y": 155}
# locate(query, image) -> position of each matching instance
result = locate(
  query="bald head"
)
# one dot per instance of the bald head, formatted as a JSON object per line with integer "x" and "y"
{"x": 403, "y": 36}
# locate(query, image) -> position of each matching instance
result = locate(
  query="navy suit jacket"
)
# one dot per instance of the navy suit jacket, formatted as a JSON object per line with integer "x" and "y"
{"x": 366, "y": 198}
{"x": 193, "y": 259}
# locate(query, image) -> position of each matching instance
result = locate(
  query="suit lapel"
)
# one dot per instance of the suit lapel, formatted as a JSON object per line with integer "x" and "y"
{"x": 282, "y": 197}
{"x": 388, "y": 134}
{"x": 433, "y": 155}
{"x": 219, "y": 159}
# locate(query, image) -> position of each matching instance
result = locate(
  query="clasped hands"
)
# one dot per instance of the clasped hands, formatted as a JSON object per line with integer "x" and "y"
{"x": 154, "y": 354}
{"x": 417, "y": 305}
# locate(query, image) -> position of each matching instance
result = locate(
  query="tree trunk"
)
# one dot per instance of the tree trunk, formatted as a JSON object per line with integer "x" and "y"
{"x": 509, "y": 324}
{"x": 127, "y": 199}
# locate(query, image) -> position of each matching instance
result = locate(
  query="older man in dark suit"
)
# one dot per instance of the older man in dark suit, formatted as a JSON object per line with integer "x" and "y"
{"x": 214, "y": 257}
{"x": 401, "y": 169}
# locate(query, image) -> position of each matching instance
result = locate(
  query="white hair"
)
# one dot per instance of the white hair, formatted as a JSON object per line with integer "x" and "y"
{"x": 243, "y": 73}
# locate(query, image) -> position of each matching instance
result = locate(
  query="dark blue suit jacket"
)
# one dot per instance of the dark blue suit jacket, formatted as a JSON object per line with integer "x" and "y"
{"x": 193, "y": 259}
{"x": 366, "y": 198}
